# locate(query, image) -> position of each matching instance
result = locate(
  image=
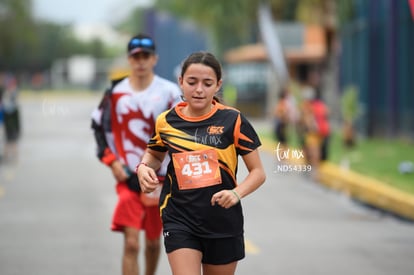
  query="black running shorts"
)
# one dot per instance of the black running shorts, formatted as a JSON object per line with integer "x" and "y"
{"x": 215, "y": 251}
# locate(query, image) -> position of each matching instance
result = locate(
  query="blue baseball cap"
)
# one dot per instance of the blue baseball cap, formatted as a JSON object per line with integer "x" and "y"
{"x": 141, "y": 43}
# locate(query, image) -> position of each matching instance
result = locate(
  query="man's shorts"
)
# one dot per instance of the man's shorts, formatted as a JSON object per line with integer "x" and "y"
{"x": 215, "y": 251}
{"x": 130, "y": 212}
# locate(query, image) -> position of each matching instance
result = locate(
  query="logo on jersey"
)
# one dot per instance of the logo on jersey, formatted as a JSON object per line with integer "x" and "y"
{"x": 215, "y": 130}
{"x": 212, "y": 137}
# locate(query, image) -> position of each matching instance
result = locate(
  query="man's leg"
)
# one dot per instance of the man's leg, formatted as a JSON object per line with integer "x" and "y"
{"x": 153, "y": 229}
{"x": 131, "y": 249}
{"x": 152, "y": 255}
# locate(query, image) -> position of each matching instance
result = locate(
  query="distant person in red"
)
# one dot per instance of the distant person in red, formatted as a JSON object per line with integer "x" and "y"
{"x": 314, "y": 123}
{"x": 321, "y": 115}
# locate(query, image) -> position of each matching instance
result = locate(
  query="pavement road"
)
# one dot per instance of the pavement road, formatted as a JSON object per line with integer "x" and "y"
{"x": 56, "y": 203}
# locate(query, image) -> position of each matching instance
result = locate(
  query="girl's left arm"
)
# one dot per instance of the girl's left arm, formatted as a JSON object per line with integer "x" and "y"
{"x": 256, "y": 176}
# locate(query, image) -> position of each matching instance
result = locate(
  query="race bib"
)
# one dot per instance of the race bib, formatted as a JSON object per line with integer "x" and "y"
{"x": 196, "y": 169}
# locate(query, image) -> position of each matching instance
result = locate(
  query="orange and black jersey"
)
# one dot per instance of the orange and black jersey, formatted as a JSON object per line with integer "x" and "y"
{"x": 204, "y": 157}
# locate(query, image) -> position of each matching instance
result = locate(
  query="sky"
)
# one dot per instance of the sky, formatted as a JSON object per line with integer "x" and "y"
{"x": 84, "y": 11}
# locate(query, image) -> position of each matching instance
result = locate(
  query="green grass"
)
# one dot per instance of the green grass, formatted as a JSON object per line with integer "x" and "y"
{"x": 377, "y": 158}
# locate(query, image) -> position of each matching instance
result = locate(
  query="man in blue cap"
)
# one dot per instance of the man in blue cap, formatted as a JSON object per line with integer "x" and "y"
{"x": 123, "y": 123}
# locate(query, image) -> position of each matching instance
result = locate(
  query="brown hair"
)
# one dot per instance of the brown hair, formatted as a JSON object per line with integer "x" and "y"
{"x": 204, "y": 58}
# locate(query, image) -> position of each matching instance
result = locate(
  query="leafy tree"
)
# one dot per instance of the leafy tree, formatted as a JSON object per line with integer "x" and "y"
{"x": 16, "y": 32}
{"x": 232, "y": 23}
{"x": 30, "y": 45}
{"x": 133, "y": 23}
{"x": 345, "y": 10}
{"x": 229, "y": 23}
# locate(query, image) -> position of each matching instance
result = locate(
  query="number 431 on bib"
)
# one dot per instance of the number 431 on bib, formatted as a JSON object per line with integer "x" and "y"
{"x": 196, "y": 169}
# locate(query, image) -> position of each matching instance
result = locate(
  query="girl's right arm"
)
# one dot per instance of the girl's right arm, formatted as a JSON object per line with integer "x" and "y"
{"x": 151, "y": 162}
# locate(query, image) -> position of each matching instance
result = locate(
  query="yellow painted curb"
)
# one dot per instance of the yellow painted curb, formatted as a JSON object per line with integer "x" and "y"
{"x": 368, "y": 190}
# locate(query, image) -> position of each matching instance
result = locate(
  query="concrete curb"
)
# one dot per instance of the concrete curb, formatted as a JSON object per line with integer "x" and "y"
{"x": 368, "y": 190}
{"x": 365, "y": 189}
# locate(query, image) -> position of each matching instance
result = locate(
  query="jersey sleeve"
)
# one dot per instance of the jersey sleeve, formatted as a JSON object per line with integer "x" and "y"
{"x": 156, "y": 143}
{"x": 100, "y": 119}
{"x": 246, "y": 139}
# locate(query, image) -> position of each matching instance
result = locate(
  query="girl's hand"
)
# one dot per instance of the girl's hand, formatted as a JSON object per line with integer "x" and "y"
{"x": 225, "y": 198}
{"x": 147, "y": 178}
